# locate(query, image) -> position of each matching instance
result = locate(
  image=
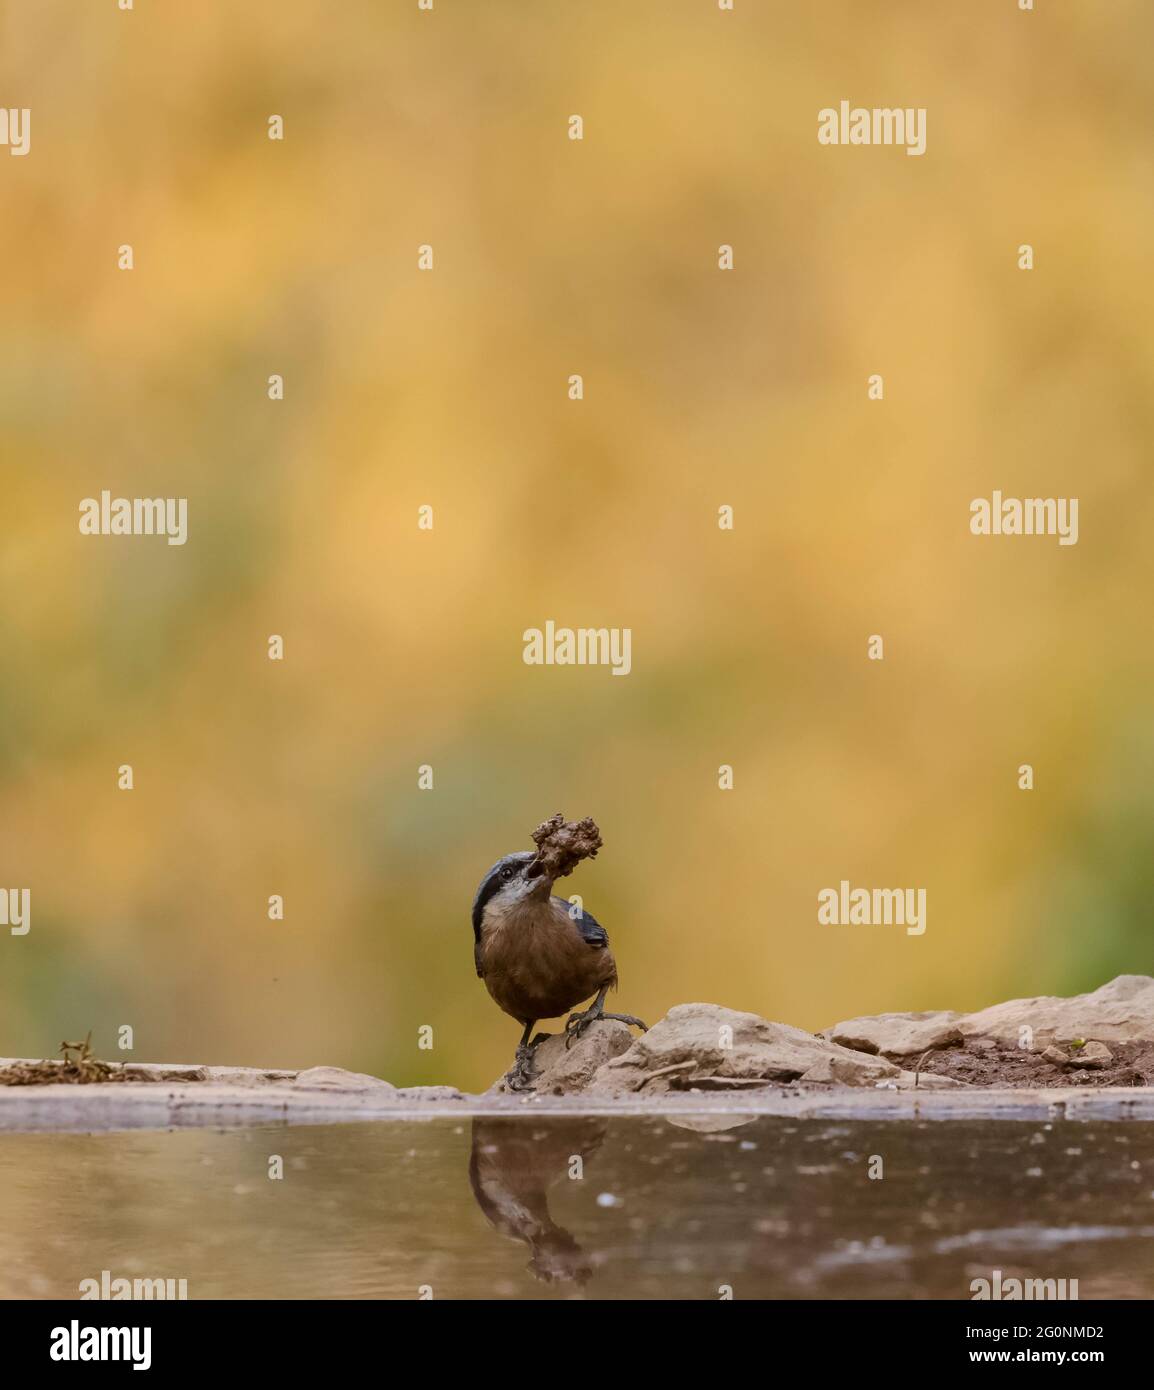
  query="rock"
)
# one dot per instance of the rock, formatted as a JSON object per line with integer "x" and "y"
{"x": 929, "y": 1081}
{"x": 1122, "y": 1011}
{"x": 427, "y": 1094}
{"x": 1094, "y": 1055}
{"x": 562, "y": 1071}
{"x": 248, "y": 1076}
{"x": 707, "y": 1047}
{"x": 1058, "y": 1055}
{"x": 337, "y": 1079}
{"x": 831, "y": 1067}
{"x": 902, "y": 1035}
{"x": 174, "y": 1073}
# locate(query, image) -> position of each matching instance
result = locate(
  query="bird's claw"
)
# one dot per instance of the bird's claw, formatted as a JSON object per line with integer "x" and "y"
{"x": 576, "y": 1024}
{"x": 520, "y": 1075}
{"x": 628, "y": 1018}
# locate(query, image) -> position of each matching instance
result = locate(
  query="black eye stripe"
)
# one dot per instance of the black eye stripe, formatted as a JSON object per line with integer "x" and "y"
{"x": 497, "y": 877}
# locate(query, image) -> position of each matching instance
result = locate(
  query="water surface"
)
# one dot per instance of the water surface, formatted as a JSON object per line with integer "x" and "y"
{"x": 545, "y": 1207}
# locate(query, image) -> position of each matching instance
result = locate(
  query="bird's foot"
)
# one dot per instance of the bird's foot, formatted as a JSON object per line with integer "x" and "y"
{"x": 576, "y": 1025}
{"x": 520, "y": 1075}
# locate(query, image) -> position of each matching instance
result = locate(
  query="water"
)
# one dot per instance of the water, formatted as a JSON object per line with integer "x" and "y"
{"x": 535, "y": 1207}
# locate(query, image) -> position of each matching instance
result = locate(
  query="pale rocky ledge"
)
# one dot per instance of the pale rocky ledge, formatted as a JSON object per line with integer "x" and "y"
{"x": 1086, "y": 1057}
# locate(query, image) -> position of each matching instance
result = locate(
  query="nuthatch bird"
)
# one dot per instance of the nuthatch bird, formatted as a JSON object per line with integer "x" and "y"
{"x": 538, "y": 956}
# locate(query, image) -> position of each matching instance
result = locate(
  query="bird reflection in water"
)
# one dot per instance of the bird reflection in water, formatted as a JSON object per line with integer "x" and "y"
{"x": 512, "y": 1166}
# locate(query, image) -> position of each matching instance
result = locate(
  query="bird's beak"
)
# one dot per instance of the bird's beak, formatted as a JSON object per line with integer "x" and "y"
{"x": 536, "y": 876}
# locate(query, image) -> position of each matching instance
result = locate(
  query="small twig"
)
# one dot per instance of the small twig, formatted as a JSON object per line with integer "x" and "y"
{"x": 666, "y": 1071}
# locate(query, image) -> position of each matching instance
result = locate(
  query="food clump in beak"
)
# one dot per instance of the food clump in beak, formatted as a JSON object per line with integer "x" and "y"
{"x": 561, "y": 846}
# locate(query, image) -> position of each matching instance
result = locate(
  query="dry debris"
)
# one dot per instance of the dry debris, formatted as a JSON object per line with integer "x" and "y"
{"x": 561, "y": 845}
{"x": 80, "y": 1068}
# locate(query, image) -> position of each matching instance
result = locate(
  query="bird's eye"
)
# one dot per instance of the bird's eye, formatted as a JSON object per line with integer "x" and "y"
{"x": 508, "y": 871}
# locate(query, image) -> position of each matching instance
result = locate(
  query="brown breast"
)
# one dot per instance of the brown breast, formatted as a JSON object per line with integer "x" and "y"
{"x": 538, "y": 965}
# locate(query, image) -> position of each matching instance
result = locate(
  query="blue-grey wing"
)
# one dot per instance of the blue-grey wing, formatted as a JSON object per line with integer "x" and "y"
{"x": 588, "y": 925}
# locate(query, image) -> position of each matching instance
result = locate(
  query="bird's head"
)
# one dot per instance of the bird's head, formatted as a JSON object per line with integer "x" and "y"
{"x": 513, "y": 881}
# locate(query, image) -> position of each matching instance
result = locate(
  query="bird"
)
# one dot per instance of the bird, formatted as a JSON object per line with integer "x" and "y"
{"x": 539, "y": 956}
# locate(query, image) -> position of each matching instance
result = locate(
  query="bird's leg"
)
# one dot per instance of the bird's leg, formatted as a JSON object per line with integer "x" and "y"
{"x": 576, "y": 1024}
{"x": 520, "y": 1074}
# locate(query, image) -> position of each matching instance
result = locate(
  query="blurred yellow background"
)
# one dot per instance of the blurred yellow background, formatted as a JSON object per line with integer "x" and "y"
{"x": 449, "y": 388}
